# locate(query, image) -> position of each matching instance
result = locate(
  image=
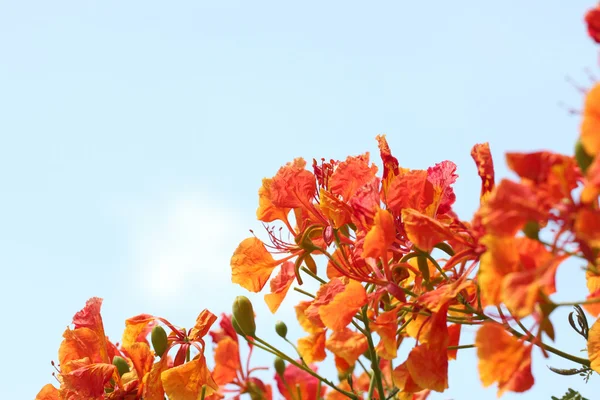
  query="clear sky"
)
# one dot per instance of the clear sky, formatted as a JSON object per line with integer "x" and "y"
{"x": 134, "y": 136}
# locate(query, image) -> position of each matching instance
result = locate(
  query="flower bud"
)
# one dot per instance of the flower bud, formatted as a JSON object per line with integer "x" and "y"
{"x": 281, "y": 329}
{"x": 244, "y": 315}
{"x": 532, "y": 230}
{"x": 584, "y": 160}
{"x": 121, "y": 364}
{"x": 159, "y": 340}
{"x": 279, "y": 366}
{"x": 310, "y": 263}
{"x": 236, "y": 327}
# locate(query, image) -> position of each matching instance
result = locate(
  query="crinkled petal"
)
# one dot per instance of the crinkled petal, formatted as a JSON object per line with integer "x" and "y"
{"x": 385, "y": 325}
{"x": 293, "y": 186}
{"x": 137, "y": 329}
{"x": 381, "y": 236}
{"x": 590, "y": 124}
{"x": 48, "y": 392}
{"x": 89, "y": 380}
{"x": 424, "y": 231}
{"x": 442, "y": 176}
{"x": 252, "y": 265}
{"x": 280, "y": 286}
{"x": 312, "y": 347}
{"x": 227, "y": 361}
{"x": 350, "y": 175}
{"x": 503, "y": 359}
{"x": 348, "y": 345}
{"x": 78, "y": 344}
{"x": 204, "y": 321}
{"x": 485, "y": 168}
{"x": 336, "y": 303}
{"x": 185, "y": 381}
{"x": 410, "y": 189}
{"x": 142, "y": 358}
{"x": 428, "y": 367}
{"x": 89, "y": 317}
{"x": 267, "y": 211}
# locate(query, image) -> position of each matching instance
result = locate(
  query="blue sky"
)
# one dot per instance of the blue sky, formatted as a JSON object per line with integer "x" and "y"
{"x": 134, "y": 136}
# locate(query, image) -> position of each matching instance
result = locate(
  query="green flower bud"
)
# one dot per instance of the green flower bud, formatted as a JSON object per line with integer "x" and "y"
{"x": 236, "y": 327}
{"x": 121, "y": 364}
{"x": 244, "y": 315}
{"x": 281, "y": 329}
{"x": 532, "y": 230}
{"x": 159, "y": 340}
{"x": 584, "y": 160}
{"x": 279, "y": 366}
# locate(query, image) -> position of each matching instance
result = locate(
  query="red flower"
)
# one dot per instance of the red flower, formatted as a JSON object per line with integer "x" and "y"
{"x": 592, "y": 19}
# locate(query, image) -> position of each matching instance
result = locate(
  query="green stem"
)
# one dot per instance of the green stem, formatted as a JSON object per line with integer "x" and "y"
{"x": 267, "y": 347}
{"x": 297, "y": 289}
{"x": 374, "y": 359}
{"x": 579, "y": 303}
{"x": 371, "y": 386}
{"x": 295, "y": 348}
{"x": 532, "y": 340}
{"x": 312, "y": 275}
{"x": 404, "y": 325}
{"x": 550, "y": 349}
{"x": 462, "y": 346}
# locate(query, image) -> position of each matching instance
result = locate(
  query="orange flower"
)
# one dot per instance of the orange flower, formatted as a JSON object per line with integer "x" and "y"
{"x": 350, "y": 175}
{"x": 428, "y": 367}
{"x": 186, "y": 381}
{"x": 89, "y": 317}
{"x": 593, "y": 285}
{"x": 510, "y": 207}
{"x": 385, "y": 325}
{"x": 88, "y": 380}
{"x": 348, "y": 345}
{"x": 503, "y": 359}
{"x": 252, "y": 264}
{"x": 390, "y": 163}
{"x": 587, "y": 226}
{"x": 312, "y": 347}
{"x": 554, "y": 176}
{"x": 410, "y": 189}
{"x": 280, "y": 286}
{"x": 485, "y": 168}
{"x": 267, "y": 211}
{"x": 381, "y": 236}
{"x": 336, "y": 303}
{"x": 518, "y": 272}
{"x": 48, "y": 392}
{"x": 593, "y": 346}
{"x": 424, "y": 231}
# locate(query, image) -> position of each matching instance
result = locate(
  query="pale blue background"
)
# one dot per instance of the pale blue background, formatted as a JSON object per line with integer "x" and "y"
{"x": 134, "y": 135}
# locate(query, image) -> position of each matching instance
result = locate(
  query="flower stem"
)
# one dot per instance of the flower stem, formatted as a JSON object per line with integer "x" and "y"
{"x": 374, "y": 359}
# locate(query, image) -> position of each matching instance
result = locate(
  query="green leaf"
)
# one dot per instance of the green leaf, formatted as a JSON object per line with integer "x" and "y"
{"x": 570, "y": 395}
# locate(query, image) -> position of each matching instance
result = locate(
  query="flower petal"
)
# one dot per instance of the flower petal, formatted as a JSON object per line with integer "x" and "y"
{"x": 252, "y": 265}
{"x": 312, "y": 347}
{"x": 380, "y": 236}
{"x": 503, "y": 359}
{"x": 185, "y": 381}
{"x": 280, "y": 286}
{"x": 485, "y": 168}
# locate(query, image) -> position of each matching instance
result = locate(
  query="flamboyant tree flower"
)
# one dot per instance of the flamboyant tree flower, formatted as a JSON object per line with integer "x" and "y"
{"x": 232, "y": 376}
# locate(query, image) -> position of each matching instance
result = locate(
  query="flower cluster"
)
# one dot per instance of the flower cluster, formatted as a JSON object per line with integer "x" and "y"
{"x": 172, "y": 364}
{"x": 398, "y": 263}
